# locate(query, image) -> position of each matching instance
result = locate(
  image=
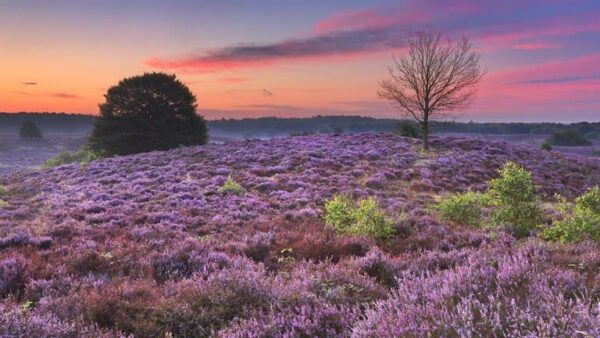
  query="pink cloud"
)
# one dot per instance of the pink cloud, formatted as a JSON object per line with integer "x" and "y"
{"x": 536, "y": 46}
{"x": 356, "y": 33}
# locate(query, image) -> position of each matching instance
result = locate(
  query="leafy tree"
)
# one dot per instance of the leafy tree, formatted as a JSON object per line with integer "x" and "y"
{"x": 30, "y": 130}
{"x": 154, "y": 111}
{"x": 433, "y": 80}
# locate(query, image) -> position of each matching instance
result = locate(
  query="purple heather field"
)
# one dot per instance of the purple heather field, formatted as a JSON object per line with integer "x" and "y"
{"x": 149, "y": 246}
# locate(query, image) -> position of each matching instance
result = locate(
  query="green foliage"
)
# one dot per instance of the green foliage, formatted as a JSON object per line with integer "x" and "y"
{"x": 83, "y": 156}
{"x": 546, "y": 146}
{"x": 3, "y": 190}
{"x": 343, "y": 215}
{"x": 154, "y": 111}
{"x": 3, "y": 203}
{"x": 463, "y": 208}
{"x": 582, "y": 220}
{"x": 339, "y": 213}
{"x": 231, "y": 187}
{"x": 513, "y": 197}
{"x": 408, "y": 129}
{"x": 30, "y": 130}
{"x": 372, "y": 221}
{"x": 568, "y": 137}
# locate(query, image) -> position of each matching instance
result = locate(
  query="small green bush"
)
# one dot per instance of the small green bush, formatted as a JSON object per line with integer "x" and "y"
{"x": 512, "y": 196}
{"x": 408, "y": 129}
{"x": 345, "y": 217}
{"x": 3, "y": 203}
{"x": 82, "y": 156}
{"x": 546, "y": 146}
{"x": 339, "y": 213}
{"x": 463, "y": 208}
{"x": 582, "y": 220}
{"x": 231, "y": 187}
{"x": 3, "y": 190}
{"x": 372, "y": 221}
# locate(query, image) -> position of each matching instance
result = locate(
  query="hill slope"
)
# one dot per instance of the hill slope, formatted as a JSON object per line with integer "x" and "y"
{"x": 148, "y": 244}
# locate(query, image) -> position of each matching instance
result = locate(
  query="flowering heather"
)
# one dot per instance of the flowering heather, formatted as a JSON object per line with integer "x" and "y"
{"x": 148, "y": 245}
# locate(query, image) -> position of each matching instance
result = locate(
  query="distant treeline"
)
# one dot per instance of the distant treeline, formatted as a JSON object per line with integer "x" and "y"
{"x": 274, "y": 126}
{"x": 47, "y": 122}
{"x": 266, "y": 127}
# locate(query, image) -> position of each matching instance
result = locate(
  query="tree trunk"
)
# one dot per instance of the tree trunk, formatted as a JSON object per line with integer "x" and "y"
{"x": 426, "y": 135}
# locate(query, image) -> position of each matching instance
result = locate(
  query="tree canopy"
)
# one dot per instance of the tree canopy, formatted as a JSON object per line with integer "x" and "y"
{"x": 154, "y": 111}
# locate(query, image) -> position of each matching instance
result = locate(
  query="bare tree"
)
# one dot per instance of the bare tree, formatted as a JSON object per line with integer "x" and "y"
{"x": 433, "y": 80}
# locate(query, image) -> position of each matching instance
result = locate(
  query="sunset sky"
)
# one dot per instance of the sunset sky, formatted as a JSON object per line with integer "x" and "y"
{"x": 297, "y": 58}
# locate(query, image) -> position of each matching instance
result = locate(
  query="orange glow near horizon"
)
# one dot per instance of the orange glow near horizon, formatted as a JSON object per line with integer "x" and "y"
{"x": 64, "y": 58}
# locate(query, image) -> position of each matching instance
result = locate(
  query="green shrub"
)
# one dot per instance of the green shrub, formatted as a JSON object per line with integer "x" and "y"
{"x": 231, "y": 187}
{"x": 3, "y": 190}
{"x": 370, "y": 220}
{"x": 512, "y": 196}
{"x": 3, "y": 203}
{"x": 408, "y": 129}
{"x": 83, "y": 155}
{"x": 345, "y": 217}
{"x": 339, "y": 213}
{"x": 582, "y": 220}
{"x": 568, "y": 137}
{"x": 546, "y": 146}
{"x": 463, "y": 208}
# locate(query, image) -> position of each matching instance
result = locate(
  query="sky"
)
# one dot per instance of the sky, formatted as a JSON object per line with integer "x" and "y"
{"x": 298, "y": 58}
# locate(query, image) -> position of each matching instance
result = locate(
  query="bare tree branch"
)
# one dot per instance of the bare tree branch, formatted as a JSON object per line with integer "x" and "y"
{"x": 433, "y": 80}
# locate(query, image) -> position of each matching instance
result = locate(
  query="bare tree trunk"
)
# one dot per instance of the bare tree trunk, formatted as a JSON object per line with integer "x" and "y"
{"x": 426, "y": 135}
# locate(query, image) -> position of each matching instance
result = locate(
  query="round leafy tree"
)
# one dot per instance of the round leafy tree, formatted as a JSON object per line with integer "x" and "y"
{"x": 30, "y": 130}
{"x": 154, "y": 111}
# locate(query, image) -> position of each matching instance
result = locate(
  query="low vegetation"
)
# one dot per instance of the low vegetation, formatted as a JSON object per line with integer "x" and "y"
{"x": 408, "y": 129}
{"x": 149, "y": 246}
{"x": 512, "y": 197}
{"x": 82, "y": 156}
{"x": 581, "y": 219}
{"x": 363, "y": 218}
{"x": 463, "y": 208}
{"x": 231, "y": 187}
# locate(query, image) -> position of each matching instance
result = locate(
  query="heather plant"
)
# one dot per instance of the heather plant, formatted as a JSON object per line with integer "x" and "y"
{"x": 366, "y": 218}
{"x": 13, "y": 275}
{"x": 147, "y": 246}
{"x": 582, "y": 220}
{"x": 231, "y": 187}
{"x": 463, "y": 208}
{"x": 512, "y": 196}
